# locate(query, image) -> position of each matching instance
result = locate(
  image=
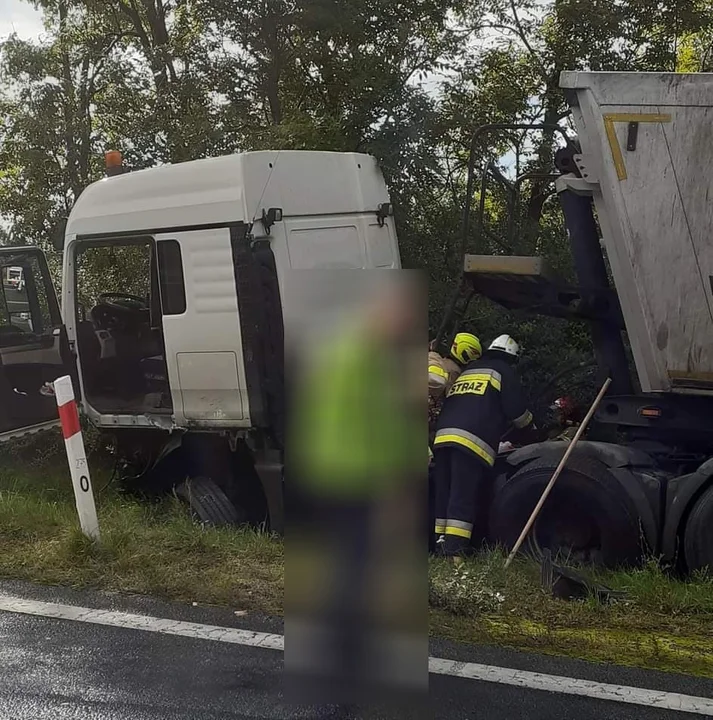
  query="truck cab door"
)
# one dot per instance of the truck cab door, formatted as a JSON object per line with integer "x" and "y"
{"x": 34, "y": 350}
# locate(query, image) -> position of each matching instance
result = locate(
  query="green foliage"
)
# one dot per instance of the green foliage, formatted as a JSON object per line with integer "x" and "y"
{"x": 406, "y": 80}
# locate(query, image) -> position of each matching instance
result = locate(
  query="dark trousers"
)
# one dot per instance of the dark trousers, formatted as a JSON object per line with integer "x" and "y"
{"x": 462, "y": 494}
{"x": 340, "y": 620}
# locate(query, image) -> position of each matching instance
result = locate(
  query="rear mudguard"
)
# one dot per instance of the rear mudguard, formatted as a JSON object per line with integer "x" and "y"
{"x": 613, "y": 456}
{"x": 681, "y": 497}
{"x": 634, "y": 470}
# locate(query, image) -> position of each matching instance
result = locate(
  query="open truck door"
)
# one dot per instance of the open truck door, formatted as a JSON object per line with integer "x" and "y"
{"x": 34, "y": 350}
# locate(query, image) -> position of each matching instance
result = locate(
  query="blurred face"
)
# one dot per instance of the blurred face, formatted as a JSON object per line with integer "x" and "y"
{"x": 396, "y": 309}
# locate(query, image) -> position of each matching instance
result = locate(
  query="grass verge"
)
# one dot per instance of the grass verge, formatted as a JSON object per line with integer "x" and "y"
{"x": 662, "y": 624}
{"x": 146, "y": 549}
{"x": 157, "y": 550}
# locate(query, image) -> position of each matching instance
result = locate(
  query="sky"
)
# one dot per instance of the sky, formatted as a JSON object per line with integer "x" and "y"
{"x": 19, "y": 17}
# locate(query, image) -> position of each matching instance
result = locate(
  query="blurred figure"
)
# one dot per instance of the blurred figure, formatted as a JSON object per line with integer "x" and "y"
{"x": 356, "y": 580}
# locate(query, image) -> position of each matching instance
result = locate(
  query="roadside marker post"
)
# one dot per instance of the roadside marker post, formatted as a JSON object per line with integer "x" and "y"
{"x": 77, "y": 457}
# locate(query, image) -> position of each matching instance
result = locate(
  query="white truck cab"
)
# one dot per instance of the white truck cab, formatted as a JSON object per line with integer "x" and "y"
{"x": 172, "y": 291}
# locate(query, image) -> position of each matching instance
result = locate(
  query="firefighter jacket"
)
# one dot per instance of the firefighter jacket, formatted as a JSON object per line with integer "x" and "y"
{"x": 485, "y": 400}
{"x": 442, "y": 373}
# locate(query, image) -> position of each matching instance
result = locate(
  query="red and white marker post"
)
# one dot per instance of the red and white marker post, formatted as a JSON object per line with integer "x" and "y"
{"x": 78, "y": 466}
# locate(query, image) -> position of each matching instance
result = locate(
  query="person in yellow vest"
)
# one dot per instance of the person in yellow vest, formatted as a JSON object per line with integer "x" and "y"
{"x": 355, "y": 429}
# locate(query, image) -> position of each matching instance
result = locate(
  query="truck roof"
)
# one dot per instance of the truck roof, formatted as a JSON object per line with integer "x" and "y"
{"x": 233, "y": 188}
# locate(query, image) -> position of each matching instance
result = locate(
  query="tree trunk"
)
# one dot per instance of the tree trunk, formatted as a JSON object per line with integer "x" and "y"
{"x": 273, "y": 69}
{"x": 538, "y": 194}
{"x": 69, "y": 105}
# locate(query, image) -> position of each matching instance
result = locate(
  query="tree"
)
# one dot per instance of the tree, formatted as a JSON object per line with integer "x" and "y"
{"x": 46, "y": 143}
{"x": 173, "y": 80}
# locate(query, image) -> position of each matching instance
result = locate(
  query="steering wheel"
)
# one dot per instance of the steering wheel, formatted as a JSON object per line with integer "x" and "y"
{"x": 124, "y": 301}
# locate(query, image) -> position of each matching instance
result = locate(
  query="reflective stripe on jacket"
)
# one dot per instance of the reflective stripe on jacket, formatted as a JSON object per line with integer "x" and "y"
{"x": 442, "y": 373}
{"x": 484, "y": 401}
{"x": 455, "y": 437}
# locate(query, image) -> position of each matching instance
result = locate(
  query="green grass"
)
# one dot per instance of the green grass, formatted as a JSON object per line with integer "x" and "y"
{"x": 662, "y": 623}
{"x": 157, "y": 550}
{"x": 145, "y": 549}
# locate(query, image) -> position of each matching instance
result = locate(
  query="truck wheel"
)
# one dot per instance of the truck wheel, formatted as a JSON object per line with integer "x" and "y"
{"x": 698, "y": 534}
{"x": 587, "y": 517}
{"x": 208, "y": 503}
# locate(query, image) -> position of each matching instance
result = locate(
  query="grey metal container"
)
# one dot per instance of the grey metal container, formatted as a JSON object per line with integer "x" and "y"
{"x": 647, "y": 158}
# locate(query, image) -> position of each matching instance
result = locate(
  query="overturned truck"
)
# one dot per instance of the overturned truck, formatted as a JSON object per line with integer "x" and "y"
{"x": 639, "y": 173}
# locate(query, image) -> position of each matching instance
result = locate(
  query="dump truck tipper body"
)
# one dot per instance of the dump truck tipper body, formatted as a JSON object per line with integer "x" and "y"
{"x": 647, "y": 151}
{"x": 636, "y": 192}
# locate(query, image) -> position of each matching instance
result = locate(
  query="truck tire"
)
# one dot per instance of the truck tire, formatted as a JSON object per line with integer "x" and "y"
{"x": 208, "y": 503}
{"x": 698, "y": 534}
{"x": 587, "y": 518}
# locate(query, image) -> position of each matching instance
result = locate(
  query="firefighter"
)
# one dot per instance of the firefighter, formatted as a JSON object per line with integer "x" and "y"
{"x": 443, "y": 372}
{"x": 483, "y": 402}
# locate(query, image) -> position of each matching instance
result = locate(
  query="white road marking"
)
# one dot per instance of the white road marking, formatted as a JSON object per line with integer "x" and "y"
{"x": 130, "y": 621}
{"x": 436, "y": 666}
{"x": 573, "y": 686}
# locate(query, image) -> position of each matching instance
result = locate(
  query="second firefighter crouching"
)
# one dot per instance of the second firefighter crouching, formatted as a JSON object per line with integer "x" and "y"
{"x": 486, "y": 399}
{"x": 443, "y": 373}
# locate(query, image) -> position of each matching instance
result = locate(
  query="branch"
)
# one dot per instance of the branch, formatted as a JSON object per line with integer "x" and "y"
{"x": 526, "y": 42}
{"x": 705, "y": 58}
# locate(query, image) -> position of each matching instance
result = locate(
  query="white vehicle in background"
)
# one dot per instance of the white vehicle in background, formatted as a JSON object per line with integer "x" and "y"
{"x": 15, "y": 278}
{"x": 172, "y": 314}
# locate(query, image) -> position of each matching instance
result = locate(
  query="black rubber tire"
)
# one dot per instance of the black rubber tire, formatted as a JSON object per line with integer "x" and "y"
{"x": 586, "y": 496}
{"x": 698, "y": 534}
{"x": 208, "y": 503}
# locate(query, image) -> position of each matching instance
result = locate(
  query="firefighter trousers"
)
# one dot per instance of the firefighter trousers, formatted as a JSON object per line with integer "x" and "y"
{"x": 462, "y": 494}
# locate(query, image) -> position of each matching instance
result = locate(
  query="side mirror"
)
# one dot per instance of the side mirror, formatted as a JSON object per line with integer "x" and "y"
{"x": 58, "y": 235}
{"x": 270, "y": 217}
{"x": 384, "y": 211}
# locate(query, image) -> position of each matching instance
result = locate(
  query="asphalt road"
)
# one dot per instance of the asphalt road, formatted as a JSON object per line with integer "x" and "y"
{"x": 56, "y": 669}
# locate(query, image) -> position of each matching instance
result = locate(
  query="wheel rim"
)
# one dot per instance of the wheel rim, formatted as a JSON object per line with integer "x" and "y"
{"x": 569, "y": 531}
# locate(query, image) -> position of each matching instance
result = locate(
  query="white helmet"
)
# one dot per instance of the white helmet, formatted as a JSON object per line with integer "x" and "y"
{"x": 507, "y": 345}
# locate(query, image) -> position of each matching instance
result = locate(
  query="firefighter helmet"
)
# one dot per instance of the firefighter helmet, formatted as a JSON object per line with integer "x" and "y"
{"x": 506, "y": 345}
{"x": 466, "y": 348}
